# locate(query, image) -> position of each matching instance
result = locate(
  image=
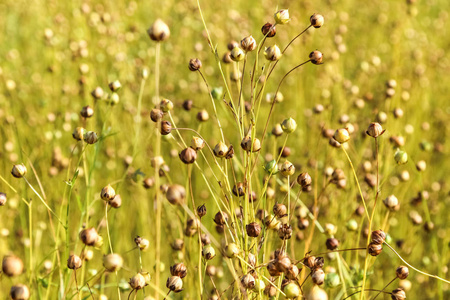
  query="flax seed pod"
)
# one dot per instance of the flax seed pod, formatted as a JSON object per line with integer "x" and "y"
{"x": 402, "y": 272}
{"x": 137, "y": 282}
{"x": 231, "y": 250}
{"x": 318, "y": 276}
{"x": 159, "y": 31}
{"x": 248, "y": 281}
{"x": 179, "y": 270}
{"x": 12, "y": 266}
{"x": 18, "y": 171}
{"x": 89, "y": 236}
{"x": 3, "y": 199}
{"x": 175, "y": 284}
{"x": 316, "y": 20}
{"x": 74, "y": 262}
{"x": 108, "y": 193}
{"x": 176, "y": 194}
{"x": 268, "y": 30}
{"x": 316, "y": 57}
{"x": 188, "y": 155}
{"x": 112, "y": 262}
{"x": 19, "y": 292}
{"x": 253, "y": 229}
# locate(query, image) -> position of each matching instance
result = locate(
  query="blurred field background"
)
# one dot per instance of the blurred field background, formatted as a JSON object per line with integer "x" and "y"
{"x": 45, "y": 43}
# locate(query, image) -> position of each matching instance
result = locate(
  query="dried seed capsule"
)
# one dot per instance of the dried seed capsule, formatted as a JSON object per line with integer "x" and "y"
{"x": 271, "y": 222}
{"x": 317, "y": 293}
{"x": 231, "y": 250}
{"x": 12, "y": 266}
{"x": 74, "y": 262}
{"x": 253, "y": 229}
{"x": 280, "y": 210}
{"x": 220, "y": 150}
{"x": 195, "y": 64}
{"x": 375, "y": 249}
{"x": 159, "y": 31}
{"x": 142, "y": 243}
{"x": 268, "y": 30}
{"x": 316, "y": 20}
{"x": 19, "y": 292}
{"x": 208, "y": 252}
{"x": 332, "y": 243}
{"x": 398, "y": 294}
{"x": 310, "y": 261}
{"x": 375, "y": 130}
{"x": 273, "y": 270}
{"x": 277, "y": 130}
{"x": 112, "y": 262}
{"x": 176, "y": 194}
{"x": 211, "y": 270}
{"x": 283, "y": 263}
{"x": 89, "y": 236}
{"x": 78, "y": 133}
{"x": 227, "y": 58}
{"x": 251, "y": 259}
{"x": 187, "y": 104}
{"x": 87, "y": 112}
{"x": 197, "y": 143}
{"x": 285, "y": 232}
{"x": 166, "y": 105}
{"x": 341, "y": 135}
{"x": 177, "y": 244}
{"x": 421, "y": 165}
{"x": 205, "y": 239}
{"x": 221, "y": 218}
{"x": 292, "y": 290}
{"x": 175, "y": 284}
{"x": 188, "y": 155}
{"x": 272, "y": 53}
{"x": 293, "y": 272}
{"x": 250, "y": 144}
{"x": 302, "y": 223}
{"x": 137, "y": 282}
{"x": 248, "y": 281}
{"x": 179, "y": 270}
{"x": 3, "y": 199}
{"x": 287, "y": 169}
{"x": 318, "y": 262}
{"x": 270, "y": 291}
{"x": 108, "y": 193}
{"x": 97, "y": 93}
{"x": 91, "y": 137}
{"x": 237, "y": 54}
{"x": 201, "y": 211}
{"x": 19, "y": 171}
{"x": 116, "y": 202}
{"x": 304, "y": 179}
{"x": 402, "y": 272}
{"x": 316, "y": 57}
{"x": 166, "y": 127}
{"x": 285, "y": 151}
{"x": 318, "y": 276}
{"x": 248, "y": 44}
{"x": 378, "y": 236}
{"x": 115, "y": 85}
{"x": 239, "y": 189}
{"x": 282, "y": 16}
{"x": 289, "y": 125}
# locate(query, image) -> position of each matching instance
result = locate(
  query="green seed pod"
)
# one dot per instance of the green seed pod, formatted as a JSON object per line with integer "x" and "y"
{"x": 341, "y": 135}
{"x": 231, "y": 250}
{"x": 401, "y": 157}
{"x": 175, "y": 284}
{"x": 332, "y": 280}
{"x": 289, "y": 125}
{"x": 166, "y": 105}
{"x": 352, "y": 225}
{"x": 317, "y": 293}
{"x": 292, "y": 290}
{"x": 208, "y": 252}
{"x": 237, "y": 54}
{"x": 217, "y": 93}
{"x": 271, "y": 167}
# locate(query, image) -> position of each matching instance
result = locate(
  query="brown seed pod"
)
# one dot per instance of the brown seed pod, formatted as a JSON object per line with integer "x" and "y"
{"x": 285, "y": 232}
{"x": 19, "y": 171}
{"x": 156, "y": 114}
{"x": 302, "y": 223}
{"x": 277, "y": 130}
{"x": 375, "y": 130}
{"x": 116, "y": 202}
{"x": 159, "y": 31}
{"x": 316, "y": 57}
{"x": 87, "y": 112}
{"x": 227, "y": 58}
{"x": 293, "y": 272}
{"x": 221, "y": 218}
{"x": 304, "y": 179}
{"x": 316, "y": 20}
{"x": 283, "y": 264}
{"x": 187, "y": 104}
{"x": 279, "y": 210}
{"x": 179, "y": 270}
{"x": 74, "y": 262}
{"x": 176, "y": 194}
{"x": 188, "y": 155}
{"x": 309, "y": 261}
{"x": 378, "y": 236}
{"x": 332, "y": 243}
{"x": 137, "y": 282}
{"x": 177, "y": 244}
{"x": 211, "y": 270}
{"x": 318, "y": 276}
{"x": 398, "y": 294}
{"x": 270, "y": 291}
{"x": 201, "y": 211}
{"x": 19, "y": 292}
{"x": 112, "y": 262}
{"x": 108, "y": 193}
{"x": 205, "y": 239}
{"x": 273, "y": 270}
{"x": 166, "y": 127}
{"x": 148, "y": 182}
{"x": 175, "y": 284}
{"x": 248, "y": 281}
{"x": 239, "y": 189}
{"x": 12, "y": 266}
{"x": 89, "y": 236}
{"x": 253, "y": 229}
{"x": 3, "y": 199}
{"x": 195, "y": 64}
{"x": 402, "y": 272}
{"x": 220, "y": 150}
{"x": 248, "y": 44}
{"x": 375, "y": 249}
{"x": 268, "y": 30}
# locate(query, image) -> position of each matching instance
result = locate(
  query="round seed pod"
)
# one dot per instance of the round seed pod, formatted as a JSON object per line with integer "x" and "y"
{"x": 279, "y": 210}
{"x": 137, "y": 282}
{"x": 402, "y": 272}
{"x": 398, "y": 294}
{"x": 289, "y": 125}
{"x": 248, "y": 281}
{"x": 271, "y": 222}
{"x": 317, "y": 293}
{"x": 221, "y": 218}
{"x": 87, "y": 255}
{"x": 293, "y": 272}
{"x": 179, "y": 270}
{"x": 268, "y": 30}
{"x": 87, "y": 112}
{"x": 316, "y": 20}
{"x": 332, "y": 243}
{"x": 188, "y": 155}
{"x": 292, "y": 290}
{"x": 211, "y": 270}
{"x": 270, "y": 291}
{"x": 253, "y": 229}
{"x": 201, "y": 211}
{"x": 108, "y": 193}
{"x": 378, "y": 236}
{"x": 115, "y": 85}
{"x": 89, "y": 236}
{"x": 203, "y": 116}
{"x": 375, "y": 249}
{"x": 281, "y": 17}
{"x": 197, "y": 143}
{"x": 220, "y": 150}
{"x": 112, "y": 262}
{"x": 156, "y": 114}
{"x": 176, "y": 194}
{"x": 283, "y": 264}
{"x": 375, "y": 130}
{"x": 247, "y": 145}
{"x": 12, "y": 266}
{"x": 316, "y": 57}
{"x": 187, "y": 104}
{"x": 148, "y": 182}
{"x": 74, "y": 262}
{"x": 304, "y": 179}
{"x": 341, "y": 135}
{"x": 91, "y": 137}
{"x": 208, "y": 252}
{"x": 3, "y": 199}
{"x": 166, "y": 127}
{"x": 272, "y": 53}
{"x": 19, "y": 292}
{"x": 19, "y": 171}
{"x": 195, "y": 64}
{"x": 175, "y": 284}
{"x": 318, "y": 276}
{"x": 142, "y": 243}
{"x": 302, "y": 223}
{"x": 205, "y": 239}
{"x": 251, "y": 259}
{"x": 285, "y": 232}
{"x": 248, "y": 44}
{"x": 273, "y": 270}
{"x": 177, "y": 244}
{"x": 287, "y": 169}
{"x": 97, "y": 93}
{"x": 277, "y": 130}
{"x": 237, "y": 54}
{"x": 310, "y": 261}
{"x": 231, "y": 250}
{"x": 285, "y": 151}
{"x": 116, "y": 202}
{"x": 159, "y": 31}
{"x": 391, "y": 202}
{"x": 239, "y": 189}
